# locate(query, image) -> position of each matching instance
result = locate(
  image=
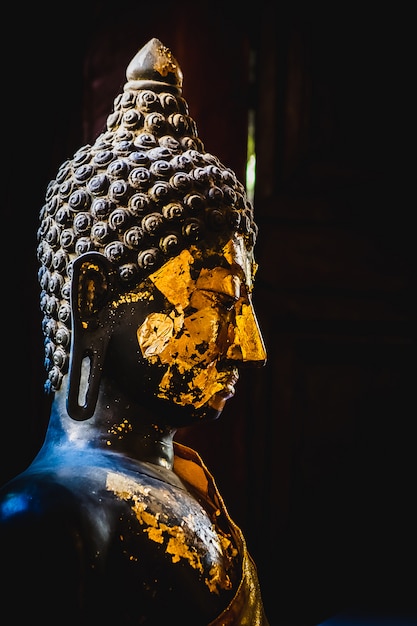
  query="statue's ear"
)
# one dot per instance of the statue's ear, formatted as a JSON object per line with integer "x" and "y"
{"x": 92, "y": 287}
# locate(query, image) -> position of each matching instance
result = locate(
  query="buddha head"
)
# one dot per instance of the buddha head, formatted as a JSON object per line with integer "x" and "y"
{"x": 146, "y": 256}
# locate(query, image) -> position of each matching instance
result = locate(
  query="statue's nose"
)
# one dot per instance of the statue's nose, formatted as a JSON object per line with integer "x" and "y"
{"x": 246, "y": 342}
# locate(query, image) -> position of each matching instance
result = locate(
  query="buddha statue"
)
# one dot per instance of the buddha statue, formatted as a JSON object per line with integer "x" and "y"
{"x": 146, "y": 271}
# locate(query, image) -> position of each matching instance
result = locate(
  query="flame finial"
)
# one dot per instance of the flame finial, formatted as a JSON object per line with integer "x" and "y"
{"x": 154, "y": 66}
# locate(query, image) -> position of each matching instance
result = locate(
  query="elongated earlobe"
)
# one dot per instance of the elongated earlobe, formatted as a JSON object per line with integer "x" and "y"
{"x": 91, "y": 289}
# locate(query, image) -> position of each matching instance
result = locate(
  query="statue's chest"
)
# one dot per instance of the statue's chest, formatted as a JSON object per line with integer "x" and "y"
{"x": 167, "y": 524}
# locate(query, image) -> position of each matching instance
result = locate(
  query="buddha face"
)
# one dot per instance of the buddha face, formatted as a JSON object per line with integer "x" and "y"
{"x": 207, "y": 327}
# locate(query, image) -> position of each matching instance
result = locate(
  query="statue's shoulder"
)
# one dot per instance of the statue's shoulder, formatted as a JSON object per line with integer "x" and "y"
{"x": 92, "y": 497}
{"x": 30, "y": 495}
{"x": 61, "y": 512}
{"x": 117, "y": 526}
{"x": 73, "y": 489}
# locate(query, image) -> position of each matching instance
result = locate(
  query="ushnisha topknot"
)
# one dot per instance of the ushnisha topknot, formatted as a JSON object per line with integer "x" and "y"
{"x": 154, "y": 67}
{"x": 145, "y": 190}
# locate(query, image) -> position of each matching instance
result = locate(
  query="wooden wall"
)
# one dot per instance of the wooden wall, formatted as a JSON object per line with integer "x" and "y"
{"x": 315, "y": 455}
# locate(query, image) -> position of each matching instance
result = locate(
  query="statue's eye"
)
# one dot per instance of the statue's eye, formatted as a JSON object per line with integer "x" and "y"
{"x": 203, "y": 298}
{"x": 223, "y": 300}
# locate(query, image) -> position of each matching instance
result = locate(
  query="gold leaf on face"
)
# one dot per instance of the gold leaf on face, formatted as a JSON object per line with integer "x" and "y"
{"x": 220, "y": 280}
{"x": 235, "y": 252}
{"x": 206, "y": 382}
{"x": 174, "y": 280}
{"x": 155, "y": 333}
{"x": 247, "y": 344}
{"x": 196, "y": 344}
{"x": 212, "y": 319}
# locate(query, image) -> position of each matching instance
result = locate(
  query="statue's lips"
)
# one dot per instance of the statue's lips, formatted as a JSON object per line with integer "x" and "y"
{"x": 229, "y": 382}
{"x": 218, "y": 400}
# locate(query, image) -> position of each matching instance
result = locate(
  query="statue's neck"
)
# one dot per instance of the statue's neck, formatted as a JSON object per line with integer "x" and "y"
{"x": 117, "y": 425}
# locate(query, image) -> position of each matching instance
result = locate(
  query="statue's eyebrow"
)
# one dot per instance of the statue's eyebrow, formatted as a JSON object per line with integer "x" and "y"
{"x": 220, "y": 280}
